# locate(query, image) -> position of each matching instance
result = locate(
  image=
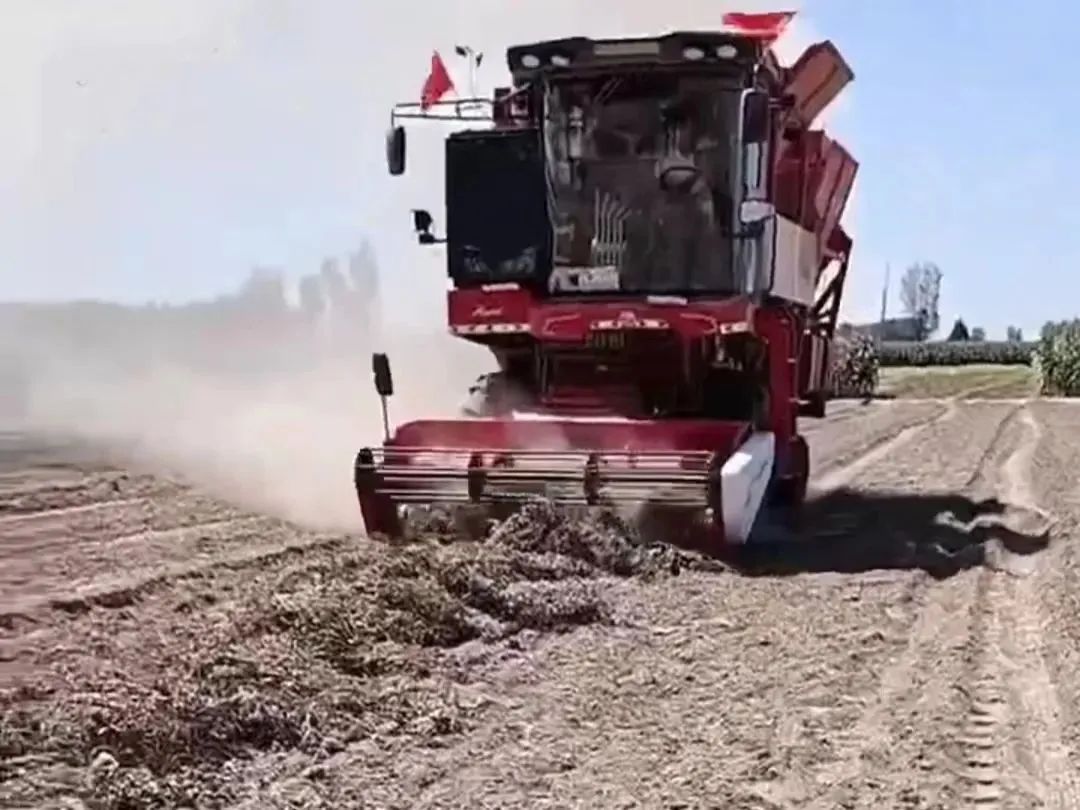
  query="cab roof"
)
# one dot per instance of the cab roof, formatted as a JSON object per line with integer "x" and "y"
{"x": 716, "y": 48}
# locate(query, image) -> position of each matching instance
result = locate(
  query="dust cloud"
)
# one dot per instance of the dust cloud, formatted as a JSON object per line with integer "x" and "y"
{"x": 248, "y": 397}
{"x": 251, "y": 395}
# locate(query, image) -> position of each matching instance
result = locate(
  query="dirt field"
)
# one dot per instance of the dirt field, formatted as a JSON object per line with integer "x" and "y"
{"x": 966, "y": 382}
{"x": 161, "y": 649}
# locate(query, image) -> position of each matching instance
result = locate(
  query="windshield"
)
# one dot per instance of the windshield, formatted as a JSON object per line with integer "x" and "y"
{"x": 640, "y": 175}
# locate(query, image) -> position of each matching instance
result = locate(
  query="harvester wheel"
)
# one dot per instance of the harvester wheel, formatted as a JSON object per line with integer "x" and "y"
{"x": 783, "y": 508}
{"x": 815, "y": 404}
{"x": 761, "y": 408}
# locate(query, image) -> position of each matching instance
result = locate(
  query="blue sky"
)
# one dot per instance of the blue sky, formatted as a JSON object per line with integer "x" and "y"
{"x": 965, "y": 123}
{"x": 157, "y": 149}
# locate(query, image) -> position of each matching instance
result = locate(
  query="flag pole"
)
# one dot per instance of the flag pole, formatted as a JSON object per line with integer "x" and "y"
{"x": 472, "y": 74}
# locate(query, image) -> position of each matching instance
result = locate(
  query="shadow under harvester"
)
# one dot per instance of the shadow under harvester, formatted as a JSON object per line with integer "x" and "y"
{"x": 846, "y": 531}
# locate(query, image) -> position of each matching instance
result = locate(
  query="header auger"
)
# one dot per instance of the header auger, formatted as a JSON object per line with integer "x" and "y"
{"x": 647, "y": 238}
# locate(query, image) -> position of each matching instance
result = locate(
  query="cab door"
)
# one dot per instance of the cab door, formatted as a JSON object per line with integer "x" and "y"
{"x": 755, "y": 226}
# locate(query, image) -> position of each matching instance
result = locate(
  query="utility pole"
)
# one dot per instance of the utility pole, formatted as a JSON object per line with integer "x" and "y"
{"x": 884, "y": 305}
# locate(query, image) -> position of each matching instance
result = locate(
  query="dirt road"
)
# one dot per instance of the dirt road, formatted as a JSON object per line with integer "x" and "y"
{"x": 161, "y": 649}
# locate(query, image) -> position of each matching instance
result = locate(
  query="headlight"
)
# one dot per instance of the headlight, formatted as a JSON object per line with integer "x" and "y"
{"x": 530, "y": 61}
{"x": 558, "y": 60}
{"x": 693, "y": 52}
{"x": 726, "y": 51}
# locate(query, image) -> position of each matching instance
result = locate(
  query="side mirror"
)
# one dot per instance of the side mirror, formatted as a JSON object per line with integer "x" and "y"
{"x": 395, "y": 150}
{"x": 755, "y": 117}
{"x": 422, "y": 222}
{"x": 384, "y": 380}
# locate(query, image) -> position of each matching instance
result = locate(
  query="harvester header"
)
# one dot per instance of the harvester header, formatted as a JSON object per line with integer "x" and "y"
{"x": 646, "y": 235}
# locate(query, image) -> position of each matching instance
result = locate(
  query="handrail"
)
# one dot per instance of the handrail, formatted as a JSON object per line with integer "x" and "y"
{"x": 415, "y": 110}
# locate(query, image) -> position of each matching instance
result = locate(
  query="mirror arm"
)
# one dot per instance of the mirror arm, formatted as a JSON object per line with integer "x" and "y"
{"x": 384, "y": 386}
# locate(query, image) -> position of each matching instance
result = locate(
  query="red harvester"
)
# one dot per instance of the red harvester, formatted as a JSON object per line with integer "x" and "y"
{"x": 646, "y": 234}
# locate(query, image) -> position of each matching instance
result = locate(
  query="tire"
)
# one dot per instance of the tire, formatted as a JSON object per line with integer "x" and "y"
{"x": 816, "y": 405}
{"x": 790, "y": 491}
{"x": 782, "y": 509}
{"x": 760, "y": 410}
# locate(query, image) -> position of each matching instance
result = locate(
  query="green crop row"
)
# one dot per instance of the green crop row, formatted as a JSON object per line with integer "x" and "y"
{"x": 854, "y": 366}
{"x": 1057, "y": 358}
{"x": 956, "y": 353}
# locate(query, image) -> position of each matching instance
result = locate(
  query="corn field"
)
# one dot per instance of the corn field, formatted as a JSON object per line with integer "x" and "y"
{"x": 1057, "y": 359}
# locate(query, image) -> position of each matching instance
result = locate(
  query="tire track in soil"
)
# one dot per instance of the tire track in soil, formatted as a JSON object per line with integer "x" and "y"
{"x": 31, "y": 635}
{"x": 842, "y": 470}
{"x": 123, "y": 591}
{"x": 834, "y": 416}
{"x": 795, "y": 735}
{"x": 61, "y": 512}
{"x": 618, "y": 689}
{"x": 911, "y": 687}
{"x": 111, "y": 535}
{"x": 1054, "y": 479}
{"x": 1012, "y": 749}
{"x": 91, "y": 491}
{"x": 821, "y": 433}
{"x": 91, "y": 558}
{"x": 37, "y": 547}
{"x": 45, "y": 556}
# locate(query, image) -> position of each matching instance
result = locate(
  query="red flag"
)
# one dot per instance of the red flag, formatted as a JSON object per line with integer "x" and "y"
{"x": 437, "y": 84}
{"x": 767, "y": 26}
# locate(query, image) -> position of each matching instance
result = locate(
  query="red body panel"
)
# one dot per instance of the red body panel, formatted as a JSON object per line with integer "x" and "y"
{"x": 666, "y": 464}
{"x": 494, "y": 435}
{"x": 781, "y": 328}
{"x": 501, "y": 311}
{"x": 832, "y": 176}
{"x": 815, "y": 80}
{"x": 814, "y": 179}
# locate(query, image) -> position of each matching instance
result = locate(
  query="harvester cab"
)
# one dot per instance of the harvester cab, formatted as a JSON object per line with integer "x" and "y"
{"x": 646, "y": 235}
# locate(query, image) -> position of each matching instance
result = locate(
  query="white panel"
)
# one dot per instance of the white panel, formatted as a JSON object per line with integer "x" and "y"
{"x": 743, "y": 481}
{"x": 795, "y": 274}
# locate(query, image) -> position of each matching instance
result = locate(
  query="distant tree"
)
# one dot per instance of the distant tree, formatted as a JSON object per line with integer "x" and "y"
{"x": 364, "y": 273}
{"x": 978, "y": 333}
{"x": 920, "y": 289}
{"x": 311, "y": 297}
{"x": 1013, "y": 334}
{"x": 264, "y": 291}
{"x": 959, "y": 331}
{"x": 334, "y": 285}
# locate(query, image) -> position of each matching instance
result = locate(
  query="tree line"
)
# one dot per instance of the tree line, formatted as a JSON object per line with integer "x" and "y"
{"x": 920, "y": 293}
{"x": 268, "y": 323}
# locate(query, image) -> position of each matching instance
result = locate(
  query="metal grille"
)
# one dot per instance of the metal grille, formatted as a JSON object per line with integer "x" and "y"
{"x": 609, "y": 229}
